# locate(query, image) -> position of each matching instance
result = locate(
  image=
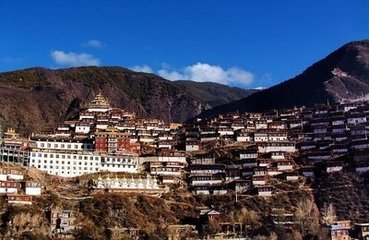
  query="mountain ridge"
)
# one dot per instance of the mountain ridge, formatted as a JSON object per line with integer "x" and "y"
{"x": 36, "y": 97}
{"x": 342, "y": 75}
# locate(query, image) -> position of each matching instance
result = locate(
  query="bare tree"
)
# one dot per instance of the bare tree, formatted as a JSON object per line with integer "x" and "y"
{"x": 328, "y": 214}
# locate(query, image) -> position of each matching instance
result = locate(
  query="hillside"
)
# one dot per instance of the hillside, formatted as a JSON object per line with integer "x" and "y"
{"x": 95, "y": 212}
{"x": 342, "y": 75}
{"x": 36, "y": 97}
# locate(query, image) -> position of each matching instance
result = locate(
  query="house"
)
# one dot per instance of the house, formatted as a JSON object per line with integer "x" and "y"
{"x": 248, "y": 153}
{"x": 206, "y": 180}
{"x": 290, "y": 176}
{"x": 209, "y": 137}
{"x": 208, "y": 214}
{"x": 264, "y": 191}
{"x": 61, "y": 221}
{"x": 285, "y": 146}
{"x": 202, "y": 159}
{"x": 240, "y": 185}
{"x": 31, "y": 188}
{"x": 338, "y": 232}
{"x": 278, "y": 155}
{"x": 169, "y": 172}
{"x": 331, "y": 167}
{"x": 243, "y": 136}
{"x": 285, "y": 165}
{"x": 361, "y": 167}
{"x": 261, "y": 124}
{"x": 9, "y": 186}
{"x": 225, "y": 131}
{"x": 319, "y": 155}
{"x": 261, "y": 137}
{"x": 7, "y": 173}
{"x": 307, "y": 172}
{"x": 118, "y": 163}
{"x": 17, "y": 199}
{"x": 259, "y": 180}
{"x": 307, "y": 145}
{"x": 116, "y": 233}
{"x": 277, "y": 136}
{"x": 356, "y": 118}
{"x": 192, "y": 145}
{"x": 362, "y": 231}
{"x": 83, "y": 128}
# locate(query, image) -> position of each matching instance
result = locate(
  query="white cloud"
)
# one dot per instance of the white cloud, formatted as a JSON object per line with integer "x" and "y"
{"x": 172, "y": 75}
{"x": 203, "y": 72}
{"x": 74, "y": 59}
{"x": 93, "y": 43}
{"x": 144, "y": 68}
{"x": 260, "y": 88}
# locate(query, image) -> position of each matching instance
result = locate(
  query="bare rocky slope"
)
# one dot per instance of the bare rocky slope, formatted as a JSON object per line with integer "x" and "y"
{"x": 37, "y": 97}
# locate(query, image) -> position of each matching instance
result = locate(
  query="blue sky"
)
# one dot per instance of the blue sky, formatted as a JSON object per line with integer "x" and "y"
{"x": 237, "y": 42}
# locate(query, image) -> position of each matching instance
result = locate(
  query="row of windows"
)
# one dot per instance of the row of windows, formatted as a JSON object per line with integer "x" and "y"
{"x": 46, "y": 167}
{"x": 117, "y": 165}
{"x": 67, "y": 172}
{"x": 64, "y": 162}
{"x": 64, "y": 156}
{"x": 118, "y": 160}
{"x": 62, "y": 145}
{"x": 165, "y": 169}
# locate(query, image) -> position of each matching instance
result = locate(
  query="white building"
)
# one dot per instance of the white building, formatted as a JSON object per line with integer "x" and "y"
{"x": 147, "y": 184}
{"x": 82, "y": 128}
{"x": 13, "y": 174}
{"x": 261, "y": 137}
{"x": 113, "y": 163}
{"x": 9, "y": 186}
{"x": 65, "y": 163}
{"x": 32, "y": 188}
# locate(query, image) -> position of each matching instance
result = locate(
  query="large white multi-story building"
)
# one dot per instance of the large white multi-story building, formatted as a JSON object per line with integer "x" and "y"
{"x": 74, "y": 157}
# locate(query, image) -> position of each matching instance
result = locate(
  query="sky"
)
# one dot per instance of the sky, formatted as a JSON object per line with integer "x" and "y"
{"x": 248, "y": 44}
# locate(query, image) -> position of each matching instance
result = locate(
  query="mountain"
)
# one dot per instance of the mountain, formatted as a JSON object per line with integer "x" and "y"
{"x": 33, "y": 98}
{"x": 342, "y": 75}
{"x": 213, "y": 93}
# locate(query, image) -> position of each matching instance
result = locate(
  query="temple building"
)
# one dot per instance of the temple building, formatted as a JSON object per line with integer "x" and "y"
{"x": 99, "y": 104}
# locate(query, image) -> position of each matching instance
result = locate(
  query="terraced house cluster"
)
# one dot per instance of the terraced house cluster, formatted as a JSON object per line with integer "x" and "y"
{"x": 229, "y": 152}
